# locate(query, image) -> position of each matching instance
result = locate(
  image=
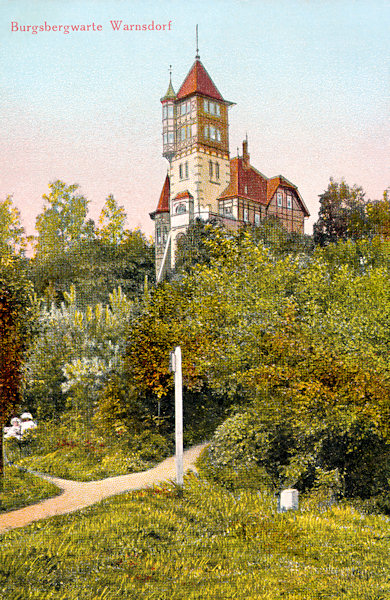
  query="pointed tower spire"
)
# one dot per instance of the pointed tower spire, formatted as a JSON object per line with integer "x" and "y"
{"x": 197, "y": 57}
{"x": 170, "y": 95}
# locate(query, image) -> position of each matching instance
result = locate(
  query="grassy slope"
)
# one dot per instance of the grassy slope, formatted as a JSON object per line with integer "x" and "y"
{"x": 207, "y": 544}
{"x": 22, "y": 489}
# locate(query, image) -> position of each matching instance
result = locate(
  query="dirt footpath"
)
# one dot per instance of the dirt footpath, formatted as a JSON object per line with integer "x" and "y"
{"x": 77, "y": 495}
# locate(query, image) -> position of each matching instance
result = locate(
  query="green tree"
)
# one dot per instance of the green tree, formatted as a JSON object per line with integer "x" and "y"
{"x": 15, "y": 318}
{"x": 308, "y": 341}
{"x": 63, "y": 223}
{"x": 112, "y": 222}
{"x": 342, "y": 214}
{"x": 12, "y": 236}
{"x": 193, "y": 248}
{"x": 379, "y": 215}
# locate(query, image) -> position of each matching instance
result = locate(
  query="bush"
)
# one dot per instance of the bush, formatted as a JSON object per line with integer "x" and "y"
{"x": 250, "y": 449}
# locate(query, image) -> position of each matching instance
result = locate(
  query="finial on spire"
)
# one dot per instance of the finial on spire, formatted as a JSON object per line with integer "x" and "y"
{"x": 170, "y": 72}
{"x": 197, "y": 44}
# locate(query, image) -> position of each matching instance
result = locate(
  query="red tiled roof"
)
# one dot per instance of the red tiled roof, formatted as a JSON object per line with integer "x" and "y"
{"x": 245, "y": 182}
{"x": 163, "y": 203}
{"x": 198, "y": 81}
{"x": 185, "y": 194}
{"x": 248, "y": 183}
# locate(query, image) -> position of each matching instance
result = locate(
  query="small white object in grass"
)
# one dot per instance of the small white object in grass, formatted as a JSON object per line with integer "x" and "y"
{"x": 289, "y": 500}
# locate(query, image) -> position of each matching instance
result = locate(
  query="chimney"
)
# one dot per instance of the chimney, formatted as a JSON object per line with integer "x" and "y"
{"x": 245, "y": 154}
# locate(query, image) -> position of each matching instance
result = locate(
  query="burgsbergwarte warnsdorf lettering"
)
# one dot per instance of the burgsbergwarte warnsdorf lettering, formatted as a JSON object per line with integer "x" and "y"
{"x": 115, "y": 25}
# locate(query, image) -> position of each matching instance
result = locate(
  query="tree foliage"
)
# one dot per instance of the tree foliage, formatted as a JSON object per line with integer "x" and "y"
{"x": 63, "y": 223}
{"x": 304, "y": 340}
{"x": 342, "y": 214}
{"x": 15, "y": 316}
{"x": 71, "y": 251}
{"x": 12, "y": 238}
{"x": 112, "y": 222}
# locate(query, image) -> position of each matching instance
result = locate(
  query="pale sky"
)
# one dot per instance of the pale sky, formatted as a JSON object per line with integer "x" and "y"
{"x": 310, "y": 80}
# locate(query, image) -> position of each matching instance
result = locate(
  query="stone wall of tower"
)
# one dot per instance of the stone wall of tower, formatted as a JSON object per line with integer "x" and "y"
{"x": 161, "y": 230}
{"x": 204, "y": 173}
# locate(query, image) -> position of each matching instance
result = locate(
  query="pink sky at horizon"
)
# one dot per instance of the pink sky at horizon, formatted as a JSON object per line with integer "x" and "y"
{"x": 311, "y": 92}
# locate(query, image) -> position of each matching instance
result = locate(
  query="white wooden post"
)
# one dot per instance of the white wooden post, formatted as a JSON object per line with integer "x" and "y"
{"x": 176, "y": 368}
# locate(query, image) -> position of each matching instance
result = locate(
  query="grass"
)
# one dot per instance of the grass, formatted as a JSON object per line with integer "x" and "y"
{"x": 85, "y": 456}
{"x": 22, "y": 489}
{"x": 205, "y": 543}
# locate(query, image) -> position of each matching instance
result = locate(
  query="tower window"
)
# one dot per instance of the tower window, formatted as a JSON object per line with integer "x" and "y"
{"x": 210, "y": 132}
{"x": 211, "y": 169}
{"x": 165, "y": 137}
{"x": 170, "y": 137}
{"x": 181, "y": 171}
{"x": 165, "y": 111}
{"x": 185, "y": 108}
{"x": 158, "y": 235}
{"x": 180, "y": 209}
{"x": 217, "y": 170}
{"x": 186, "y": 169}
{"x": 212, "y": 108}
{"x": 170, "y": 110}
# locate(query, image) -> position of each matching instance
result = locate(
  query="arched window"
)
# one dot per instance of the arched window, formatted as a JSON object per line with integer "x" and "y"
{"x": 180, "y": 208}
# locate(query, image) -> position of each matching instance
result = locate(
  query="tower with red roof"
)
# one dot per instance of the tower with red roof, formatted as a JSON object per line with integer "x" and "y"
{"x": 202, "y": 182}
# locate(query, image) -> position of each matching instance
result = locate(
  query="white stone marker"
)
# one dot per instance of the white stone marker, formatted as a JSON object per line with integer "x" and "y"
{"x": 289, "y": 500}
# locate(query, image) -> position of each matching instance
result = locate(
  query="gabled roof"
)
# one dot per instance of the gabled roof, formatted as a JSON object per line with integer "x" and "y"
{"x": 163, "y": 203}
{"x": 245, "y": 182}
{"x": 181, "y": 195}
{"x": 198, "y": 81}
{"x": 275, "y": 182}
{"x": 248, "y": 183}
